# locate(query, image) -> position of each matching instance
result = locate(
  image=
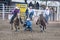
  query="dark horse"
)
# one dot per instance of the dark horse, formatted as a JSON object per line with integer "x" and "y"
{"x": 16, "y": 22}
{"x": 42, "y": 22}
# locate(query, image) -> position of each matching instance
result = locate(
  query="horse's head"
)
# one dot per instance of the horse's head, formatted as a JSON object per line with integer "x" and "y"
{"x": 37, "y": 22}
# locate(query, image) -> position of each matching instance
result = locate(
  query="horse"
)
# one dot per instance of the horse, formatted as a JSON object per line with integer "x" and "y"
{"x": 16, "y": 22}
{"x": 42, "y": 22}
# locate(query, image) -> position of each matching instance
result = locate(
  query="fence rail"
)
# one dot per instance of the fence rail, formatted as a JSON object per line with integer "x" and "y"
{"x": 7, "y": 9}
{"x": 4, "y": 10}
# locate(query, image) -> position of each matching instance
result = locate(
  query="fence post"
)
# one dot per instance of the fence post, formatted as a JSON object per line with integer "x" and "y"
{"x": 58, "y": 13}
{"x": 3, "y": 14}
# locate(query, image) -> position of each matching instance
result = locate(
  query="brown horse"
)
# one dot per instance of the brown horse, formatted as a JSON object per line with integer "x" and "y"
{"x": 42, "y": 22}
{"x": 16, "y": 22}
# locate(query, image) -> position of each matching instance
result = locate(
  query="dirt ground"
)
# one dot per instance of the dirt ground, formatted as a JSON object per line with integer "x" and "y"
{"x": 52, "y": 32}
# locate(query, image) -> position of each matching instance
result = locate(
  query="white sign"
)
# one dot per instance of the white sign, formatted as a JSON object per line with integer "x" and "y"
{"x": 18, "y": 0}
{"x": 53, "y": 3}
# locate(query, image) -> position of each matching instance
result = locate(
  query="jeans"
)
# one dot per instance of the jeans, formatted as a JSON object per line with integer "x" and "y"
{"x": 47, "y": 17}
{"x": 13, "y": 18}
{"x": 28, "y": 27}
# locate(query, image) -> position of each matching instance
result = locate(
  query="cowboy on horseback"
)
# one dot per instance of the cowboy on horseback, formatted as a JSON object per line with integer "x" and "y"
{"x": 15, "y": 13}
{"x": 14, "y": 18}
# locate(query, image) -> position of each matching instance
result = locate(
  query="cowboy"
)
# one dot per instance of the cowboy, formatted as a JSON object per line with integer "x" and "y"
{"x": 28, "y": 24}
{"x": 29, "y": 12}
{"x": 46, "y": 14}
{"x": 15, "y": 13}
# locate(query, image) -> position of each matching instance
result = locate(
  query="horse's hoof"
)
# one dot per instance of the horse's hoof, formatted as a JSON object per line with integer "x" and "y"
{"x": 44, "y": 30}
{"x": 41, "y": 31}
{"x": 18, "y": 28}
{"x": 11, "y": 28}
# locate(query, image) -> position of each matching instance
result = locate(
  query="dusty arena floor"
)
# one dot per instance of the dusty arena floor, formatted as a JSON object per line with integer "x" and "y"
{"x": 52, "y": 32}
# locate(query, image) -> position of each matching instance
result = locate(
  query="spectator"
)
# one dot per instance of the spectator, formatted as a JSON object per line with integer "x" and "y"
{"x": 46, "y": 14}
{"x": 30, "y": 4}
{"x": 37, "y": 5}
{"x": 26, "y": 1}
{"x": 51, "y": 14}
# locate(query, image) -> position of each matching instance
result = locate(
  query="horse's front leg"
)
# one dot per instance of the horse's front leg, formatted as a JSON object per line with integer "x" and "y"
{"x": 41, "y": 27}
{"x": 16, "y": 28}
{"x": 12, "y": 26}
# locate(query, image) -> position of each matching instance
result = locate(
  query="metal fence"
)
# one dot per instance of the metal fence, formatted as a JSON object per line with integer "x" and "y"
{"x": 5, "y": 10}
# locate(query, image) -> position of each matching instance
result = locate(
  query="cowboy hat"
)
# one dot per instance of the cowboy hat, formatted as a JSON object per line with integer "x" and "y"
{"x": 16, "y": 7}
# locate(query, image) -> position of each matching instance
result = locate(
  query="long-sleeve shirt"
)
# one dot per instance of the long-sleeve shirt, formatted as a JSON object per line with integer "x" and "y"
{"x": 15, "y": 11}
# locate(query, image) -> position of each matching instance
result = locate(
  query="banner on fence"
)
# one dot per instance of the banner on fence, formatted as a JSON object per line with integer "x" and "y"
{"x": 22, "y": 9}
